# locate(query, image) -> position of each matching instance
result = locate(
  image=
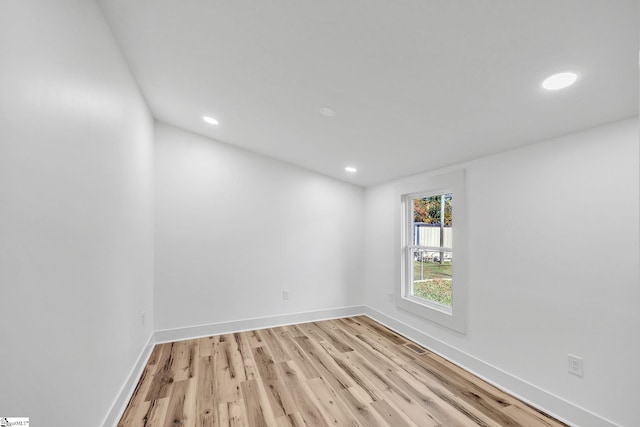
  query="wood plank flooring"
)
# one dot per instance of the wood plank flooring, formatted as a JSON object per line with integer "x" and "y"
{"x": 344, "y": 372}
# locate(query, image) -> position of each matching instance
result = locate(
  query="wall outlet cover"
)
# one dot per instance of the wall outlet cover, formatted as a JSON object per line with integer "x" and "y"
{"x": 575, "y": 366}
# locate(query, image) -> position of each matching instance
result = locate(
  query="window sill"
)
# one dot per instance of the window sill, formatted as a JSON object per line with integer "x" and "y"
{"x": 437, "y": 313}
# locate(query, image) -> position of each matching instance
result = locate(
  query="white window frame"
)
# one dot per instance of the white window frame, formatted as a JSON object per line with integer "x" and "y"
{"x": 453, "y": 317}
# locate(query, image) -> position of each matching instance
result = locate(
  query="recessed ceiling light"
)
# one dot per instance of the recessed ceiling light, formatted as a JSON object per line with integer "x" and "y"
{"x": 351, "y": 169}
{"x": 210, "y": 120}
{"x": 560, "y": 80}
{"x": 327, "y": 112}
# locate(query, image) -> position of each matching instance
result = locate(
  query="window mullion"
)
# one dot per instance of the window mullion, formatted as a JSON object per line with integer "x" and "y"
{"x": 431, "y": 248}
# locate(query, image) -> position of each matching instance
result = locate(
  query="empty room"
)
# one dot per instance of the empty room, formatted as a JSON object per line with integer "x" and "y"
{"x": 319, "y": 213}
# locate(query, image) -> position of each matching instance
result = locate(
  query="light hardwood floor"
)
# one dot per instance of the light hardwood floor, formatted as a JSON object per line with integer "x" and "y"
{"x": 344, "y": 372}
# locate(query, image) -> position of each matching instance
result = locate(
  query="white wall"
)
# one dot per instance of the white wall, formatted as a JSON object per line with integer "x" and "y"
{"x": 76, "y": 245}
{"x": 233, "y": 229}
{"x": 543, "y": 281}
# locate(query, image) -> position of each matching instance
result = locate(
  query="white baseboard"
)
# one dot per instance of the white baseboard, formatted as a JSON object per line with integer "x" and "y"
{"x": 543, "y": 400}
{"x": 190, "y": 332}
{"x": 127, "y": 389}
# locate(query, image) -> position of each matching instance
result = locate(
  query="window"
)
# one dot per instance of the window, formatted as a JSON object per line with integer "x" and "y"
{"x": 433, "y": 250}
{"x": 430, "y": 254}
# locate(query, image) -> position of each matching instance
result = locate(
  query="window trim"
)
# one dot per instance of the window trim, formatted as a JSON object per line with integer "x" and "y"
{"x": 451, "y": 182}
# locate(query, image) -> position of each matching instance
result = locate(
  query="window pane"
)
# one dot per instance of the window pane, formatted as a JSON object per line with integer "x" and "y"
{"x": 432, "y": 276}
{"x": 428, "y": 229}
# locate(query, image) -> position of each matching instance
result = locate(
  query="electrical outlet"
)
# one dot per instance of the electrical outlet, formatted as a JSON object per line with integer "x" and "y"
{"x": 285, "y": 295}
{"x": 390, "y": 296}
{"x": 142, "y": 318}
{"x": 575, "y": 365}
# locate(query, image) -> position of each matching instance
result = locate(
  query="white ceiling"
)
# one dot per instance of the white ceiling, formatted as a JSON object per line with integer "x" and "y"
{"x": 416, "y": 84}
